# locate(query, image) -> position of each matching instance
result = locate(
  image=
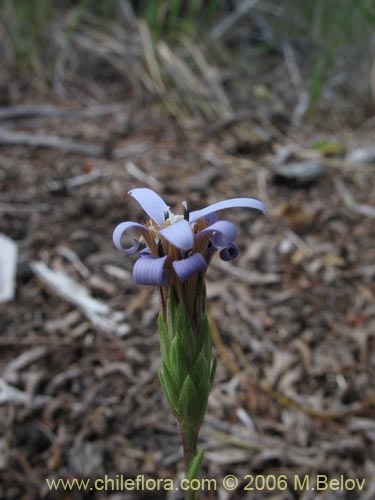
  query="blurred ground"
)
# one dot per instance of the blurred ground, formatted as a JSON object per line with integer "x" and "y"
{"x": 295, "y": 313}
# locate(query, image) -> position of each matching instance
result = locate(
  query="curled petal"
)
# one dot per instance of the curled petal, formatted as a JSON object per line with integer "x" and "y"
{"x": 145, "y": 253}
{"x": 152, "y": 204}
{"x": 120, "y": 230}
{"x": 224, "y": 233}
{"x": 150, "y": 271}
{"x": 211, "y": 218}
{"x": 191, "y": 265}
{"x": 230, "y": 252}
{"x": 232, "y": 203}
{"x": 179, "y": 234}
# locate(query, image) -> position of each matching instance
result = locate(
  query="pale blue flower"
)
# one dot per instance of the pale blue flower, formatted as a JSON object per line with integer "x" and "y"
{"x": 179, "y": 246}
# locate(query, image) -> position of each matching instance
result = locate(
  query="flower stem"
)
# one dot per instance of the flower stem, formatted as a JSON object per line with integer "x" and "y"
{"x": 189, "y": 443}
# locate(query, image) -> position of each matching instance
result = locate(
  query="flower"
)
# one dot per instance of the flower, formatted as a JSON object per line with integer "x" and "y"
{"x": 177, "y": 252}
{"x": 179, "y": 246}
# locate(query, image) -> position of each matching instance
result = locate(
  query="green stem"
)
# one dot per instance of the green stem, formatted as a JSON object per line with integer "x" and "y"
{"x": 189, "y": 443}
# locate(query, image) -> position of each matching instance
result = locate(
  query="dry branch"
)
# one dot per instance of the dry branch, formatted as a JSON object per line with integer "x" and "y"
{"x": 47, "y": 110}
{"x": 138, "y": 174}
{"x": 99, "y": 313}
{"x": 8, "y": 264}
{"x": 10, "y": 138}
{"x": 10, "y": 394}
{"x": 231, "y": 19}
{"x": 350, "y": 203}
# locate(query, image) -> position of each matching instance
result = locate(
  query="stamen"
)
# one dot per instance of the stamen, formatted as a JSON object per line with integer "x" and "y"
{"x": 186, "y": 210}
{"x": 186, "y": 253}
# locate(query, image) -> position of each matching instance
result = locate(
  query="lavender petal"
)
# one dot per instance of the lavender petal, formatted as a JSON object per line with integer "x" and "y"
{"x": 150, "y": 271}
{"x": 152, "y": 204}
{"x": 120, "y": 230}
{"x": 225, "y": 233}
{"x": 179, "y": 234}
{"x": 231, "y": 203}
{"x": 191, "y": 265}
{"x": 145, "y": 252}
{"x": 211, "y": 218}
{"x": 230, "y": 252}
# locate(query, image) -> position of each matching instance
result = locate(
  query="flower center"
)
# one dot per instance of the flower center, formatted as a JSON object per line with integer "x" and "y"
{"x": 172, "y": 219}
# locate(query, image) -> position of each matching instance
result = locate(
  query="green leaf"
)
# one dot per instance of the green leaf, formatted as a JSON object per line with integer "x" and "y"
{"x": 185, "y": 334}
{"x": 205, "y": 335}
{"x": 164, "y": 341}
{"x": 177, "y": 362}
{"x": 213, "y": 371}
{"x": 201, "y": 378}
{"x": 201, "y": 369}
{"x": 330, "y": 148}
{"x": 195, "y": 467}
{"x": 171, "y": 313}
{"x": 189, "y": 407}
{"x": 167, "y": 394}
{"x": 170, "y": 384}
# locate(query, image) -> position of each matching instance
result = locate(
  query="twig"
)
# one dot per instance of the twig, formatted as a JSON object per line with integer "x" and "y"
{"x": 350, "y": 203}
{"x": 211, "y": 76}
{"x": 235, "y": 441}
{"x": 297, "y": 240}
{"x": 9, "y": 394}
{"x": 291, "y": 64}
{"x": 252, "y": 278}
{"x": 25, "y": 208}
{"x": 98, "y": 312}
{"x": 296, "y": 79}
{"x": 8, "y": 137}
{"x": 233, "y": 367}
{"x": 128, "y": 13}
{"x": 8, "y": 266}
{"x": 132, "y": 150}
{"x": 73, "y": 258}
{"x": 230, "y": 20}
{"x": 24, "y": 111}
{"x": 23, "y": 360}
{"x": 353, "y": 409}
{"x": 76, "y": 181}
{"x": 229, "y": 122}
{"x": 150, "y": 57}
{"x": 222, "y": 350}
{"x": 138, "y": 174}
{"x": 341, "y": 164}
{"x": 182, "y": 74}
